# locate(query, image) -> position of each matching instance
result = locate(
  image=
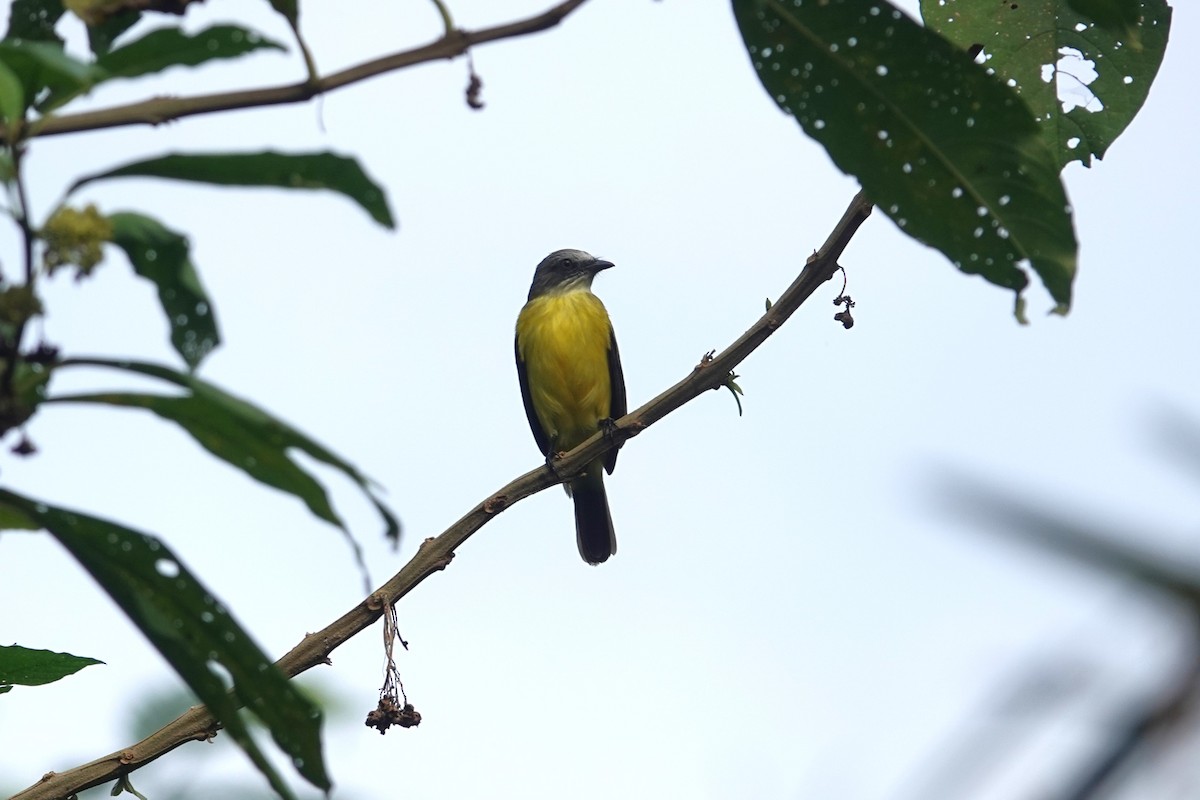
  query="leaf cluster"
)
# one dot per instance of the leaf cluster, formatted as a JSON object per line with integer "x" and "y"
{"x": 215, "y": 656}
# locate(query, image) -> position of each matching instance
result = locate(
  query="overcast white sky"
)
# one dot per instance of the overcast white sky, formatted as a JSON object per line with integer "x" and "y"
{"x": 791, "y": 613}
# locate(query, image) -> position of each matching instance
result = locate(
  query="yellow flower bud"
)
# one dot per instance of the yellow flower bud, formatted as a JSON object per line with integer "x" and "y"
{"x": 75, "y": 237}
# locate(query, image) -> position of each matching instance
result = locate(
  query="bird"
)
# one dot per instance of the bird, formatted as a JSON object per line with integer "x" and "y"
{"x": 571, "y": 382}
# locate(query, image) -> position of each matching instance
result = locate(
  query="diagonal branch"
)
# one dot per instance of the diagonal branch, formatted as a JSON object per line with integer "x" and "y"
{"x": 435, "y": 554}
{"x": 1145, "y": 726}
{"x": 165, "y": 109}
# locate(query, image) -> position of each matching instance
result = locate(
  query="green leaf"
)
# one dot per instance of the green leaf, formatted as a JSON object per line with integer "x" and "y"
{"x": 101, "y": 35}
{"x": 194, "y": 632}
{"x": 34, "y": 20}
{"x": 29, "y": 391}
{"x": 171, "y": 47}
{"x": 944, "y": 149}
{"x": 1118, "y": 16}
{"x": 12, "y": 95}
{"x": 13, "y": 519}
{"x": 48, "y": 75}
{"x": 290, "y": 10}
{"x": 284, "y": 170}
{"x": 20, "y": 666}
{"x": 162, "y": 256}
{"x": 225, "y": 430}
{"x": 1023, "y": 41}
{"x": 239, "y": 433}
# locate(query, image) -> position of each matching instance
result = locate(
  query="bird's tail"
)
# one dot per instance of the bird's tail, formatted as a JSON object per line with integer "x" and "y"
{"x": 593, "y": 524}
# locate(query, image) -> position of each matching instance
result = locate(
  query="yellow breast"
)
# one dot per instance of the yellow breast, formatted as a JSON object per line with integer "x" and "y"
{"x": 563, "y": 339}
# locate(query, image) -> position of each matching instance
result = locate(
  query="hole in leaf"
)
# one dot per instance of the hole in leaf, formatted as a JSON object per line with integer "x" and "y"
{"x": 1074, "y": 75}
{"x": 218, "y": 669}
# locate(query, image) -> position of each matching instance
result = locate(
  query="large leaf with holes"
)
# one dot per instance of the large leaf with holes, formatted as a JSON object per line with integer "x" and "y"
{"x": 1119, "y": 16}
{"x": 193, "y": 631}
{"x": 943, "y": 148}
{"x": 1083, "y": 79}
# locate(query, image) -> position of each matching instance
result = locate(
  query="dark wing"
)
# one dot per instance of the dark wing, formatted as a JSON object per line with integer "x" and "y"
{"x": 539, "y": 435}
{"x": 617, "y": 403}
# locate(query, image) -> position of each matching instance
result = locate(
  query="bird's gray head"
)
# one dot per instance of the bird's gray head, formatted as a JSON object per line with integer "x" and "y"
{"x": 564, "y": 271}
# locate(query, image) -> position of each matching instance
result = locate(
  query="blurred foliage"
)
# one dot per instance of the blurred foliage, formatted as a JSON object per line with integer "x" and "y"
{"x": 74, "y": 237}
{"x": 187, "y": 624}
{"x": 175, "y": 779}
{"x": 1133, "y": 556}
{"x": 163, "y": 257}
{"x": 194, "y": 632}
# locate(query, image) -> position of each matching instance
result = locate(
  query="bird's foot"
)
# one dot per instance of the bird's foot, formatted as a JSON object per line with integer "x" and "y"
{"x": 551, "y": 457}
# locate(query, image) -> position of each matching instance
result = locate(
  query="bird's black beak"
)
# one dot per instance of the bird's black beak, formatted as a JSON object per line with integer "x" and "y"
{"x": 600, "y": 264}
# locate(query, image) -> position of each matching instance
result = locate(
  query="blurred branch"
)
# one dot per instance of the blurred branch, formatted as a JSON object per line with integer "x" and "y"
{"x": 1179, "y": 435}
{"x": 435, "y": 554}
{"x": 165, "y": 109}
{"x": 970, "y": 755}
{"x": 1142, "y": 727}
{"x": 1110, "y": 551}
{"x": 1106, "y": 549}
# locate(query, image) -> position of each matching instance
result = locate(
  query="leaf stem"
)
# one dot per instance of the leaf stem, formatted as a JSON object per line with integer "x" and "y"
{"x": 13, "y": 347}
{"x": 447, "y": 21}
{"x": 310, "y": 63}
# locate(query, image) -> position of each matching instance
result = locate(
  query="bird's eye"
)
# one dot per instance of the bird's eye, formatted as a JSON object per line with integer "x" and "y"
{"x": 565, "y": 263}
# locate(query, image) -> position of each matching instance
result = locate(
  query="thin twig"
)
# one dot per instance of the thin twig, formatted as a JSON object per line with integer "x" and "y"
{"x": 197, "y": 724}
{"x": 165, "y": 109}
